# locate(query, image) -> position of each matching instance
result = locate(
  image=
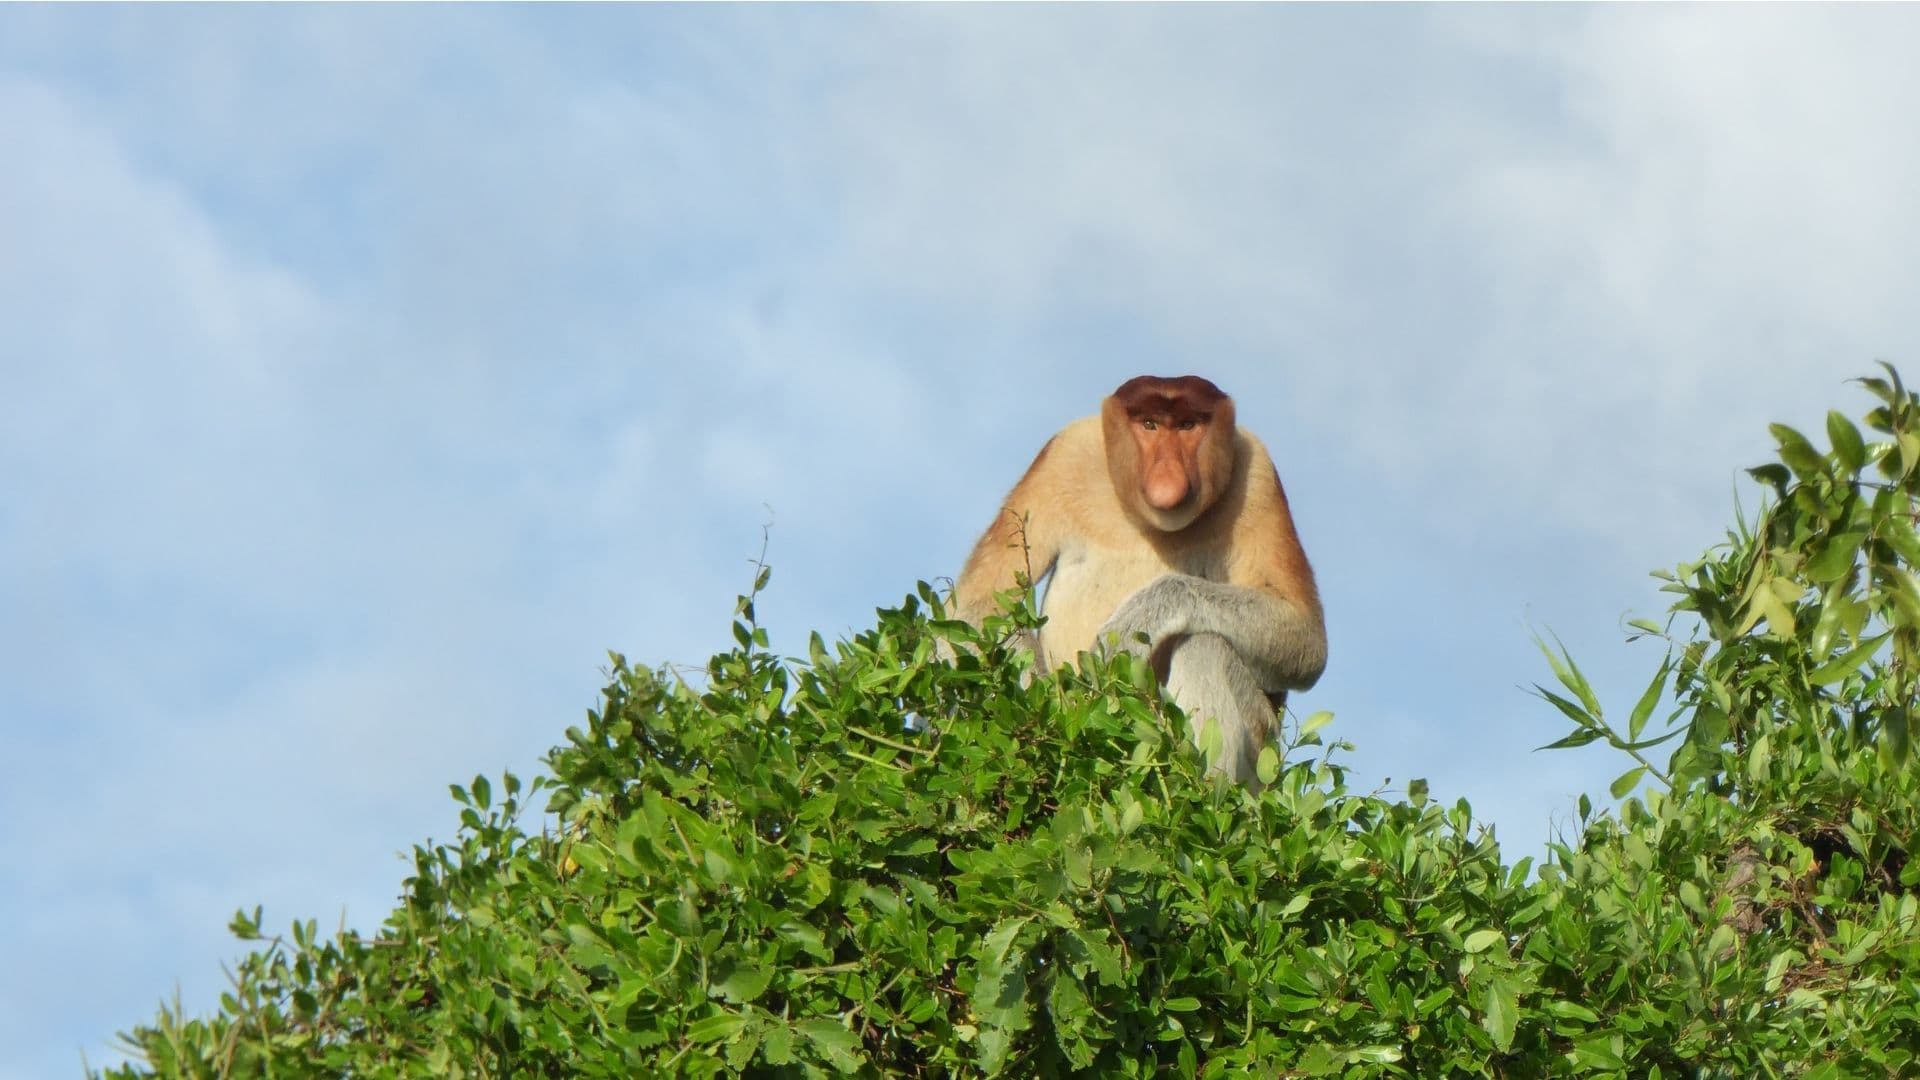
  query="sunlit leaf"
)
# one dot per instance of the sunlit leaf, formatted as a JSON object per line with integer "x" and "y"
{"x": 1799, "y": 454}
{"x": 1501, "y": 1012}
{"x": 1832, "y": 561}
{"x": 1846, "y": 663}
{"x": 1626, "y": 781}
{"x": 1578, "y": 738}
{"x": 1847, "y": 444}
{"x": 1482, "y": 940}
{"x": 1649, "y": 698}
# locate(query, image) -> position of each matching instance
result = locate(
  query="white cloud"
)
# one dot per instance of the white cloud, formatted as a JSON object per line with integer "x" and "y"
{"x": 364, "y": 374}
{"x": 268, "y": 567}
{"x": 1722, "y": 230}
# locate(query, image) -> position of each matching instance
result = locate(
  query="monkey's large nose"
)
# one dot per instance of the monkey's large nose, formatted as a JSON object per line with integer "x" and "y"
{"x": 1166, "y": 488}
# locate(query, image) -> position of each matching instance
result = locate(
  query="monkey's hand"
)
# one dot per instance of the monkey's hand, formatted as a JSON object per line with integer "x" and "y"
{"x": 1283, "y": 643}
{"x": 1159, "y": 610}
{"x": 1137, "y": 630}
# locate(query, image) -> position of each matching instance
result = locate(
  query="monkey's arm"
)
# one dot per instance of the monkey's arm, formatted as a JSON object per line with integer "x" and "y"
{"x": 1283, "y": 640}
{"x": 1268, "y": 608}
{"x": 1023, "y": 539}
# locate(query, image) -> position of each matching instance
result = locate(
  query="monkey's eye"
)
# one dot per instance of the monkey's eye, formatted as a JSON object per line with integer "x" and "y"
{"x": 1150, "y": 425}
{"x": 1187, "y": 425}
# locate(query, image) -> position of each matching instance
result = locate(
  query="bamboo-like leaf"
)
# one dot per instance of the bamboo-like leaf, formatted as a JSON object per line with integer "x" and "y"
{"x": 1626, "y": 781}
{"x": 1834, "y": 558}
{"x": 1779, "y": 616}
{"x": 1578, "y": 738}
{"x": 1643, "y": 709}
{"x": 1570, "y": 675}
{"x": 1846, "y": 663}
{"x": 1827, "y": 625}
{"x": 1643, "y": 744}
{"x": 1574, "y": 712}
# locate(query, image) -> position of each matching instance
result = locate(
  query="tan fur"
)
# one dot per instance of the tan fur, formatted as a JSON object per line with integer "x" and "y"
{"x": 1212, "y": 577}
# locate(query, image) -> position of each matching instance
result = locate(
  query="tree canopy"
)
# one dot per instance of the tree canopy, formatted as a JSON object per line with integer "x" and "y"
{"x": 881, "y": 861}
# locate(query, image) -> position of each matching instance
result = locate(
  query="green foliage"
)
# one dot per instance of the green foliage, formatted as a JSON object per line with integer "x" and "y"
{"x": 881, "y": 861}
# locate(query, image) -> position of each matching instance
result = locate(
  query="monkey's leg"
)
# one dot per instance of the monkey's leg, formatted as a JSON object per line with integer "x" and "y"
{"x": 1217, "y": 689}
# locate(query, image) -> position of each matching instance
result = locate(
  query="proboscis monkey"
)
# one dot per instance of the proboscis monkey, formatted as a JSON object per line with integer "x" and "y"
{"x": 1159, "y": 517}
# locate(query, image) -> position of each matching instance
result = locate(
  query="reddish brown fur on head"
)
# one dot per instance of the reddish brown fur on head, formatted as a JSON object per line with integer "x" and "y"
{"x": 1169, "y": 447}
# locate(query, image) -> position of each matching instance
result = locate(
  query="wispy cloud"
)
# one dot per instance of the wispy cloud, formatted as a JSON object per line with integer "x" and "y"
{"x": 365, "y": 372}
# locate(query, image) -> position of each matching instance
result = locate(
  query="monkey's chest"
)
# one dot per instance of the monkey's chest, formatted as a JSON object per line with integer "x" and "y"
{"x": 1088, "y": 583}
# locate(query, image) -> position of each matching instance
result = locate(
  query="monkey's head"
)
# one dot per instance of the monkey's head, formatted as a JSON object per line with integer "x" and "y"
{"x": 1169, "y": 447}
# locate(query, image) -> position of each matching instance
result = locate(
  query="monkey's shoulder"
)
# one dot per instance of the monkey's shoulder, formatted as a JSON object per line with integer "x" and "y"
{"x": 1059, "y": 486}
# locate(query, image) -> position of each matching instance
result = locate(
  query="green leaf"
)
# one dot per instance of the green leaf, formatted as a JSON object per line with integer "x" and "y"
{"x": 1879, "y": 388}
{"x": 1847, "y": 444}
{"x": 1833, "y": 559}
{"x": 1722, "y": 941}
{"x": 778, "y": 1045}
{"x": 1767, "y": 604}
{"x": 1570, "y": 676}
{"x": 1573, "y": 712}
{"x": 1643, "y": 709}
{"x": 716, "y": 1028}
{"x": 1482, "y": 940}
{"x": 1773, "y": 475}
{"x": 1569, "y": 1010}
{"x": 742, "y": 984}
{"x": 1846, "y": 663}
{"x": 1500, "y": 1007}
{"x": 837, "y": 1044}
{"x": 1600, "y": 1053}
{"x": 1626, "y": 782}
{"x": 741, "y": 1051}
{"x": 1833, "y": 610}
{"x": 1777, "y": 969}
{"x": 1892, "y": 742}
{"x": 1900, "y": 536}
{"x": 1578, "y": 738}
{"x": 1797, "y": 452}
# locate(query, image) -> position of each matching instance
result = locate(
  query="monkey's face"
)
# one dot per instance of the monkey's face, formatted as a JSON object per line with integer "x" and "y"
{"x": 1169, "y": 448}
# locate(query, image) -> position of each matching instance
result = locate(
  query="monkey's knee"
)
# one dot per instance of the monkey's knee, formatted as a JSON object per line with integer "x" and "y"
{"x": 1219, "y": 693}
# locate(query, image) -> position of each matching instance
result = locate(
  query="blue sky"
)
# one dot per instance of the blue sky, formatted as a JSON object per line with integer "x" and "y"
{"x": 367, "y": 373}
